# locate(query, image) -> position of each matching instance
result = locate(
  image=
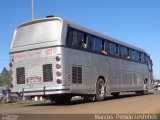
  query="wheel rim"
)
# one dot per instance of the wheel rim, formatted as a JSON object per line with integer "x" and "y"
{"x": 101, "y": 90}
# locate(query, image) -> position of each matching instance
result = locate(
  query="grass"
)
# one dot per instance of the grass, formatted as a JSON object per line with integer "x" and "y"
{"x": 28, "y": 102}
{"x": 24, "y": 102}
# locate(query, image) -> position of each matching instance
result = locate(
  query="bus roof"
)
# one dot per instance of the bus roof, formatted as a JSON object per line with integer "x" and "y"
{"x": 82, "y": 28}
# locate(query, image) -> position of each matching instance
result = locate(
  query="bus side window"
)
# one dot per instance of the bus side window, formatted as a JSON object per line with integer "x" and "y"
{"x": 90, "y": 44}
{"x": 75, "y": 42}
{"x": 80, "y": 38}
{"x": 70, "y": 37}
{"x": 98, "y": 44}
{"x": 133, "y": 55}
{"x": 137, "y": 56}
{"x": 113, "y": 49}
{"x": 125, "y": 52}
{"x": 84, "y": 41}
{"x": 107, "y": 47}
{"x": 142, "y": 58}
{"x": 117, "y": 50}
{"x": 145, "y": 58}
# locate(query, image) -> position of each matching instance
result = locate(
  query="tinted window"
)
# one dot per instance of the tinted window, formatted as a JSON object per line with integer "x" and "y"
{"x": 75, "y": 42}
{"x": 142, "y": 58}
{"x": 136, "y": 55}
{"x": 132, "y": 54}
{"x": 70, "y": 37}
{"x": 124, "y": 52}
{"x": 77, "y": 39}
{"x": 81, "y": 39}
{"x": 113, "y": 49}
{"x": 98, "y": 44}
{"x": 90, "y": 42}
{"x": 107, "y": 46}
{"x": 84, "y": 41}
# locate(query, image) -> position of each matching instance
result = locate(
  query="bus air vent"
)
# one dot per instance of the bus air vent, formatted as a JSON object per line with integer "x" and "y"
{"x": 47, "y": 73}
{"x": 76, "y": 74}
{"x": 20, "y": 73}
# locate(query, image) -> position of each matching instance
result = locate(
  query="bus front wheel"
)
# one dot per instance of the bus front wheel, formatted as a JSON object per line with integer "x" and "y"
{"x": 100, "y": 90}
{"x": 144, "y": 91}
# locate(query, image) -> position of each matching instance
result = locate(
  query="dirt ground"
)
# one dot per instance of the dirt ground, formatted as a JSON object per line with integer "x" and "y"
{"x": 125, "y": 104}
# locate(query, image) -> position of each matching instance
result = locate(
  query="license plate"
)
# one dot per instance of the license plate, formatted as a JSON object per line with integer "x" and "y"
{"x": 35, "y": 80}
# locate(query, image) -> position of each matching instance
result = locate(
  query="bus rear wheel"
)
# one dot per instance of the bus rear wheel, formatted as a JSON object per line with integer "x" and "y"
{"x": 100, "y": 90}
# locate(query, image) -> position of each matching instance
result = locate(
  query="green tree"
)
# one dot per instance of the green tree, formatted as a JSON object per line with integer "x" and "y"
{"x": 4, "y": 77}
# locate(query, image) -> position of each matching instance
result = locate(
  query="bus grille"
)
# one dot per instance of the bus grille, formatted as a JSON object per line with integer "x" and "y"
{"x": 20, "y": 73}
{"x": 47, "y": 73}
{"x": 76, "y": 74}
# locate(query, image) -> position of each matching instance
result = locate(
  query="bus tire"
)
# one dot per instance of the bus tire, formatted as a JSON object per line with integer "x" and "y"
{"x": 100, "y": 90}
{"x": 145, "y": 90}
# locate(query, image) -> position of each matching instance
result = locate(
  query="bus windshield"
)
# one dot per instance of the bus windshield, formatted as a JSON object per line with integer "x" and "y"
{"x": 37, "y": 33}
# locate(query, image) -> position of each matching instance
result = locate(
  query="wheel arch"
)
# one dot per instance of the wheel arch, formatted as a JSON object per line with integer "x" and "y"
{"x": 101, "y": 77}
{"x": 145, "y": 80}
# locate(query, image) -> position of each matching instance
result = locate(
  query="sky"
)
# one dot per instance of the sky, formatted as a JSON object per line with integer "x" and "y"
{"x": 136, "y": 22}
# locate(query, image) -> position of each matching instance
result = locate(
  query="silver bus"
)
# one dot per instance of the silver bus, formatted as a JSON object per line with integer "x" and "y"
{"x": 58, "y": 59}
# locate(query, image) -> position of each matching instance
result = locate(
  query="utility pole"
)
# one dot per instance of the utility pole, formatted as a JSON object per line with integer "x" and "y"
{"x": 33, "y": 17}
